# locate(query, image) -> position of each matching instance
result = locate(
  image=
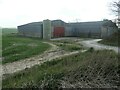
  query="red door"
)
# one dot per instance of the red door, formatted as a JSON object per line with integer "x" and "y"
{"x": 58, "y": 31}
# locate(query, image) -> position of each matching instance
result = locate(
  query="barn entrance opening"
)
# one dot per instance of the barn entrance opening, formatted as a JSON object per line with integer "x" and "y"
{"x": 59, "y": 31}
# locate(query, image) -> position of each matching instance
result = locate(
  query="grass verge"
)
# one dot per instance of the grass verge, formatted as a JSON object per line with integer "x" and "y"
{"x": 90, "y": 69}
{"x": 68, "y": 45}
{"x": 6, "y": 31}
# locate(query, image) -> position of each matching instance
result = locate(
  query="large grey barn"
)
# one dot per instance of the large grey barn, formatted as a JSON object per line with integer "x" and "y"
{"x": 34, "y": 29}
{"x": 58, "y": 28}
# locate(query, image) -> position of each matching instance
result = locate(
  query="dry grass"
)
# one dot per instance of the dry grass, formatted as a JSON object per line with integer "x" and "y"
{"x": 92, "y": 69}
{"x": 97, "y": 71}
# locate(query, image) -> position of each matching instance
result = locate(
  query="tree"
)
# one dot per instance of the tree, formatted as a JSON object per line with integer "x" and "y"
{"x": 116, "y": 11}
{"x": 116, "y": 7}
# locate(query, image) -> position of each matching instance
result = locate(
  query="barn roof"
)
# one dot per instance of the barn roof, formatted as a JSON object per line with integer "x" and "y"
{"x": 32, "y": 23}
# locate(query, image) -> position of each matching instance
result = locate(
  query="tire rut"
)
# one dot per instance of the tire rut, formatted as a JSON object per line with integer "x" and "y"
{"x": 53, "y": 53}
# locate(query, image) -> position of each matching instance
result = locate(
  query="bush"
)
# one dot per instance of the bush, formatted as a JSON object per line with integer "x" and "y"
{"x": 113, "y": 40}
{"x": 91, "y": 49}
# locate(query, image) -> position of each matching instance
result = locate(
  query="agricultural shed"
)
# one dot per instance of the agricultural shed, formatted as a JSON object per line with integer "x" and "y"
{"x": 96, "y": 29}
{"x": 57, "y": 28}
{"x": 87, "y": 29}
{"x": 34, "y": 29}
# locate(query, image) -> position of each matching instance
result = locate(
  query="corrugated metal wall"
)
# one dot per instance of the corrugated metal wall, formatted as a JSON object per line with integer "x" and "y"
{"x": 104, "y": 32}
{"x": 84, "y": 29}
{"x": 69, "y": 31}
{"x": 111, "y": 30}
{"x": 107, "y": 31}
{"x": 108, "y": 28}
{"x": 88, "y": 29}
{"x": 31, "y": 29}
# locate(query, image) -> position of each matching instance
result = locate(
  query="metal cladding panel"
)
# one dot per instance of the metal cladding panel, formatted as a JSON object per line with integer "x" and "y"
{"x": 52, "y": 30}
{"x": 104, "y": 32}
{"x": 31, "y": 30}
{"x": 87, "y": 29}
{"x": 69, "y": 31}
{"x": 111, "y": 30}
{"x": 107, "y": 31}
{"x": 47, "y": 29}
{"x": 59, "y": 31}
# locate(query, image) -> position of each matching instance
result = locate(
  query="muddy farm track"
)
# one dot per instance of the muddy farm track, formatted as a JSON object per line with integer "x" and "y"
{"x": 97, "y": 46}
{"x": 53, "y": 53}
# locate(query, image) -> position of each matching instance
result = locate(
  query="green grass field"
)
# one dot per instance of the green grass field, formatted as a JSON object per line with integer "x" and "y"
{"x": 16, "y": 48}
{"x": 6, "y": 31}
{"x": 92, "y": 68}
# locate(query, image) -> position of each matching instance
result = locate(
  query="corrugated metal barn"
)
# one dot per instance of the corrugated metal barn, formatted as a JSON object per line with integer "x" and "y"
{"x": 87, "y": 29}
{"x": 58, "y": 28}
{"x": 96, "y": 29}
{"x": 34, "y": 29}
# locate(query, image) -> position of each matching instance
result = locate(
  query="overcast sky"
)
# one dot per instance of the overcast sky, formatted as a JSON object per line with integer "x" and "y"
{"x": 17, "y": 12}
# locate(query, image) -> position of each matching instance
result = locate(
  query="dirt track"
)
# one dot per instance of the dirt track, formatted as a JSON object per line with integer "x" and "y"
{"x": 97, "y": 46}
{"x": 51, "y": 54}
{"x": 92, "y": 43}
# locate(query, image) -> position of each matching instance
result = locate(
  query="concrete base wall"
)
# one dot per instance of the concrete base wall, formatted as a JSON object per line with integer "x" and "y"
{"x": 47, "y": 29}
